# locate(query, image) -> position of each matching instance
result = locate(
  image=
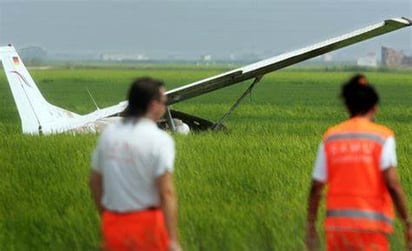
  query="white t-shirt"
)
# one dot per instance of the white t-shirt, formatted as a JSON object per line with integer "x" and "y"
{"x": 388, "y": 159}
{"x": 130, "y": 156}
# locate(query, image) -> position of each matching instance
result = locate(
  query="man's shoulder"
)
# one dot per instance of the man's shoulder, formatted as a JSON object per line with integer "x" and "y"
{"x": 159, "y": 141}
{"x": 382, "y": 129}
{"x": 110, "y": 129}
{"x": 163, "y": 136}
{"x": 334, "y": 129}
{"x": 153, "y": 132}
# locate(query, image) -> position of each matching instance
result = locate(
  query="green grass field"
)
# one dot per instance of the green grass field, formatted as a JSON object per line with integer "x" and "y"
{"x": 242, "y": 190}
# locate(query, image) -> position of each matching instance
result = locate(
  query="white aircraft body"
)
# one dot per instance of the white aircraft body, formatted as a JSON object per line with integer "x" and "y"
{"x": 40, "y": 117}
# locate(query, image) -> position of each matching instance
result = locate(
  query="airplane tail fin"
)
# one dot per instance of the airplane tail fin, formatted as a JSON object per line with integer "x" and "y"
{"x": 35, "y": 112}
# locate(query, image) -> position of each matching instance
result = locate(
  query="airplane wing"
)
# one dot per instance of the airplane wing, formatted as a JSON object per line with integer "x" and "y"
{"x": 113, "y": 110}
{"x": 260, "y": 68}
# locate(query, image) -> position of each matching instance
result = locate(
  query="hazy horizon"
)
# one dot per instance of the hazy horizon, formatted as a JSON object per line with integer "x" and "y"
{"x": 188, "y": 29}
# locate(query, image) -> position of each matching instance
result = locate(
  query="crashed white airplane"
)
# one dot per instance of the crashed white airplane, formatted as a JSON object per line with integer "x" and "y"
{"x": 40, "y": 117}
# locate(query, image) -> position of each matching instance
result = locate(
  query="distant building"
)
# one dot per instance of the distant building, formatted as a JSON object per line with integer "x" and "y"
{"x": 390, "y": 57}
{"x": 393, "y": 58}
{"x": 407, "y": 61}
{"x": 207, "y": 58}
{"x": 327, "y": 57}
{"x": 123, "y": 57}
{"x": 369, "y": 60}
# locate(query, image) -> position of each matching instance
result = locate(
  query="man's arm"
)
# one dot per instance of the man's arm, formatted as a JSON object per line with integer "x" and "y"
{"x": 399, "y": 200}
{"x": 168, "y": 203}
{"x": 315, "y": 195}
{"x": 398, "y": 196}
{"x": 96, "y": 189}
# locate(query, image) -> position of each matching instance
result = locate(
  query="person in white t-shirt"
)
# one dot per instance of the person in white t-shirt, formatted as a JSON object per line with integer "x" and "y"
{"x": 131, "y": 178}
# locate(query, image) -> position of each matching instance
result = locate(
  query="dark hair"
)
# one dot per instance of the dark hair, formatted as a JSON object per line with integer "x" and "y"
{"x": 141, "y": 92}
{"x": 359, "y": 95}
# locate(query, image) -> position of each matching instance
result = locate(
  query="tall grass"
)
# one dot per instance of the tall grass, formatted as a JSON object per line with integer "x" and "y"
{"x": 241, "y": 190}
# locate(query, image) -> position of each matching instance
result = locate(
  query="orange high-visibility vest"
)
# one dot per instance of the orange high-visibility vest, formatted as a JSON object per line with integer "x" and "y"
{"x": 357, "y": 197}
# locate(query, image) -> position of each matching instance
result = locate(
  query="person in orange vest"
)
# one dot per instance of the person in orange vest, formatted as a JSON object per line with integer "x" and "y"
{"x": 357, "y": 161}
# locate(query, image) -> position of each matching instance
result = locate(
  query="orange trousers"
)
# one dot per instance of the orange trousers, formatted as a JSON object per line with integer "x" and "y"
{"x": 356, "y": 241}
{"x": 140, "y": 230}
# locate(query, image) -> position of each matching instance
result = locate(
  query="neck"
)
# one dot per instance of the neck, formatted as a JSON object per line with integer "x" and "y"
{"x": 151, "y": 116}
{"x": 369, "y": 116}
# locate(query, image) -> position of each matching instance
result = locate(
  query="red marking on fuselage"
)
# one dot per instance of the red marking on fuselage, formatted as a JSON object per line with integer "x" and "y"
{"x": 22, "y": 78}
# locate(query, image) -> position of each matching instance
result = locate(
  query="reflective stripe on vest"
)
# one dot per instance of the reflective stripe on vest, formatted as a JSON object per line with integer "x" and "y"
{"x": 358, "y": 214}
{"x": 368, "y": 136}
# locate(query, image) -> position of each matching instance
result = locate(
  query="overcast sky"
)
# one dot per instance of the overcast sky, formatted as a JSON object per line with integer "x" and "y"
{"x": 189, "y": 28}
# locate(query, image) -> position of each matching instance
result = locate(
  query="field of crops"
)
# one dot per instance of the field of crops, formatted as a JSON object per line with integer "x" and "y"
{"x": 242, "y": 190}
